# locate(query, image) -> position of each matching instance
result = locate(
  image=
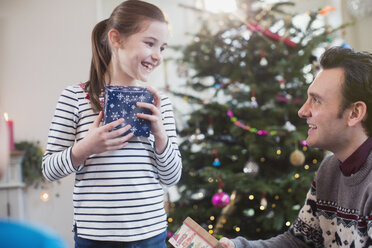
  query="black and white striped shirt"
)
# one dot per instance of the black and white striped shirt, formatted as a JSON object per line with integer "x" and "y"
{"x": 118, "y": 195}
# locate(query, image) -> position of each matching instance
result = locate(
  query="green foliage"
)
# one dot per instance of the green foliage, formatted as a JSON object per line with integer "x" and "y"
{"x": 31, "y": 163}
{"x": 224, "y": 58}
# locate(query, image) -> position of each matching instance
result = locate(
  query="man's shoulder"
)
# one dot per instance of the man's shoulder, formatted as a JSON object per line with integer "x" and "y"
{"x": 329, "y": 162}
{"x": 330, "y": 166}
{"x": 369, "y": 158}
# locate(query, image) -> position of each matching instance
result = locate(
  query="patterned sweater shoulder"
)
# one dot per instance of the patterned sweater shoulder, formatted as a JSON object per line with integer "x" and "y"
{"x": 337, "y": 212}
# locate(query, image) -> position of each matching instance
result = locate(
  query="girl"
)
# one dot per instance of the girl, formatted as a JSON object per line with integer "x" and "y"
{"x": 118, "y": 194}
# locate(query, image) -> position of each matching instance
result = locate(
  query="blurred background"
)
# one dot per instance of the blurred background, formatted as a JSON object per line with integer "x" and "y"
{"x": 45, "y": 46}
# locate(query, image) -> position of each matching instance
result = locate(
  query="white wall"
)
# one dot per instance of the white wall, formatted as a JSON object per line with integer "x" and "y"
{"x": 359, "y": 34}
{"x": 45, "y": 46}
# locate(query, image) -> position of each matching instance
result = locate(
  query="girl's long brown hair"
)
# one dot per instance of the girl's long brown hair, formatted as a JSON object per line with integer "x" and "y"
{"x": 127, "y": 19}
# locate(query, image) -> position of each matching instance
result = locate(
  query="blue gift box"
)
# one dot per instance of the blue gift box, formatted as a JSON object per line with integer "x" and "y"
{"x": 120, "y": 102}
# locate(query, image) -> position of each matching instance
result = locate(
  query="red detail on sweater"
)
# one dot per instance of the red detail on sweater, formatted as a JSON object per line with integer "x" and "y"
{"x": 362, "y": 222}
{"x": 82, "y": 85}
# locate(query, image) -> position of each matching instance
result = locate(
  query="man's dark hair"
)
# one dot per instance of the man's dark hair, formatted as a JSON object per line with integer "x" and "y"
{"x": 357, "y": 85}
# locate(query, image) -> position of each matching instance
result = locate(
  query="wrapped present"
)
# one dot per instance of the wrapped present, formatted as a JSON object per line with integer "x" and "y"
{"x": 191, "y": 234}
{"x": 120, "y": 102}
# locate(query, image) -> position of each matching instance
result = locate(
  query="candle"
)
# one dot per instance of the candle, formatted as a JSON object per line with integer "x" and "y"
{"x": 10, "y": 129}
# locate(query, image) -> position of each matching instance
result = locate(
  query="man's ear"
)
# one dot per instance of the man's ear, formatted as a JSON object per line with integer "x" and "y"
{"x": 358, "y": 113}
{"x": 114, "y": 38}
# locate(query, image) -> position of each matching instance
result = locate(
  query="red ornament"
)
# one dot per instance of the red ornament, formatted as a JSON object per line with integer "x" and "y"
{"x": 326, "y": 10}
{"x": 270, "y": 34}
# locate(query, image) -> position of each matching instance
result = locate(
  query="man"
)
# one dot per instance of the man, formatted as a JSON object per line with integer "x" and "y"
{"x": 338, "y": 206}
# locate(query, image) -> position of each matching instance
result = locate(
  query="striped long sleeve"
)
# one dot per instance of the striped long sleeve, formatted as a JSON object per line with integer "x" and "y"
{"x": 62, "y": 133}
{"x": 118, "y": 195}
{"x": 169, "y": 162}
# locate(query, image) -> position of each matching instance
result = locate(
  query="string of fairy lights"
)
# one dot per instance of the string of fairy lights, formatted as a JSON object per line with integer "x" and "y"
{"x": 297, "y": 157}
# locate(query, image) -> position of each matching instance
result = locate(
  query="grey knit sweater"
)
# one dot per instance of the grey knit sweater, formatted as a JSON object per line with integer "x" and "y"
{"x": 337, "y": 212}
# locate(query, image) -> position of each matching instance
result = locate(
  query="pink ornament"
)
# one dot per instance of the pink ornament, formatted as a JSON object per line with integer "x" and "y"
{"x": 220, "y": 199}
{"x": 262, "y": 132}
{"x": 282, "y": 98}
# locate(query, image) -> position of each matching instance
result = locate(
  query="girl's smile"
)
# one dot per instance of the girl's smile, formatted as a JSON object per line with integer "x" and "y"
{"x": 136, "y": 56}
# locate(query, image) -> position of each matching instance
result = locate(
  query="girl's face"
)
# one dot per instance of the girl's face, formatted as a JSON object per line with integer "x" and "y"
{"x": 139, "y": 54}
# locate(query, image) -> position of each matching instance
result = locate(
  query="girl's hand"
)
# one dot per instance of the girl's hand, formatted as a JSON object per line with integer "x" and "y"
{"x": 99, "y": 139}
{"x": 157, "y": 127}
{"x": 227, "y": 243}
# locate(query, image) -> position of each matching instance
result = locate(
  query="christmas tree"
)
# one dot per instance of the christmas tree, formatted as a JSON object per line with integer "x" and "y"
{"x": 246, "y": 165}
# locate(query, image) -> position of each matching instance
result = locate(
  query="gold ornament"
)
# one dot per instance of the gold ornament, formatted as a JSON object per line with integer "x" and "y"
{"x": 297, "y": 158}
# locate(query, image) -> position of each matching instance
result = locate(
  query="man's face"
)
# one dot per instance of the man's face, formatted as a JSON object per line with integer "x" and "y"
{"x": 321, "y": 109}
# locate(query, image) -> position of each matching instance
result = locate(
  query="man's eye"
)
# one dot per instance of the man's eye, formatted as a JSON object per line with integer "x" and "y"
{"x": 149, "y": 43}
{"x": 162, "y": 49}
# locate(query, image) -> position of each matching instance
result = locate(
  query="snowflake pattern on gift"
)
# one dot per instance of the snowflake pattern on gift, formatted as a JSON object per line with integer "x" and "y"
{"x": 142, "y": 98}
{"x": 120, "y": 96}
{"x": 120, "y": 102}
{"x": 127, "y": 99}
{"x": 133, "y": 129}
{"x": 114, "y": 115}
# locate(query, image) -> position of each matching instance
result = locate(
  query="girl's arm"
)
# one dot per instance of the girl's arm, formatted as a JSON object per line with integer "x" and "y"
{"x": 64, "y": 155}
{"x": 169, "y": 160}
{"x": 163, "y": 128}
{"x": 57, "y": 161}
{"x": 100, "y": 139}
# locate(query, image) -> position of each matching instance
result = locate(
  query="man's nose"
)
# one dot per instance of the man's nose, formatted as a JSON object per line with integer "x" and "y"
{"x": 303, "y": 112}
